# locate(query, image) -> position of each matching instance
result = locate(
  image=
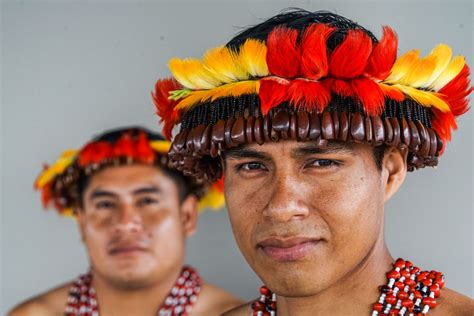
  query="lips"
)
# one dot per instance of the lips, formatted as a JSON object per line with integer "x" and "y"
{"x": 126, "y": 249}
{"x": 288, "y": 249}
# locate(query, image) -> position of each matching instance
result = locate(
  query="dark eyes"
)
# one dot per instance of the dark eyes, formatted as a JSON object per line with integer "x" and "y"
{"x": 251, "y": 166}
{"x": 105, "y": 205}
{"x": 254, "y": 166}
{"x": 142, "y": 202}
{"x": 324, "y": 163}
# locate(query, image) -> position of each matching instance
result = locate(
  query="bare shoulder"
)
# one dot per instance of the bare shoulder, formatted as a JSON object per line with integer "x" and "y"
{"x": 214, "y": 300}
{"x": 50, "y": 303}
{"x": 242, "y": 310}
{"x": 453, "y": 303}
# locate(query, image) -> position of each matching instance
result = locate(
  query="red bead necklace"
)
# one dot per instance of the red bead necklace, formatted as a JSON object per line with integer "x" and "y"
{"x": 82, "y": 299}
{"x": 409, "y": 291}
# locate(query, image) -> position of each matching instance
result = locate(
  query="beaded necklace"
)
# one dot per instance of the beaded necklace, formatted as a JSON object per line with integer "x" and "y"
{"x": 409, "y": 291}
{"x": 82, "y": 299}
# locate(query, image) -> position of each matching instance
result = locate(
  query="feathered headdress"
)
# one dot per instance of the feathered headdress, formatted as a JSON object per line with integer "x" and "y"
{"x": 312, "y": 76}
{"x": 58, "y": 183}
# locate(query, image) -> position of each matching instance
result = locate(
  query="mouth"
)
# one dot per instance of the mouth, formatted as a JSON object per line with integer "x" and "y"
{"x": 288, "y": 249}
{"x": 127, "y": 250}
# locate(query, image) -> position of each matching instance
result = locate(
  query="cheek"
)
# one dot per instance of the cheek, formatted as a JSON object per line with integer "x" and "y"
{"x": 163, "y": 224}
{"x": 96, "y": 239}
{"x": 165, "y": 232}
{"x": 243, "y": 204}
{"x": 351, "y": 206}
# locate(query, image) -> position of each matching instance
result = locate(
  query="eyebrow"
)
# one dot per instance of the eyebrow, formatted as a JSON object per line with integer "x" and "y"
{"x": 150, "y": 189}
{"x": 243, "y": 152}
{"x": 104, "y": 193}
{"x": 101, "y": 193}
{"x": 331, "y": 148}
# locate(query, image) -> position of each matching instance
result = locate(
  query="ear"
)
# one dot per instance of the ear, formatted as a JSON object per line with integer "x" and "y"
{"x": 189, "y": 214}
{"x": 80, "y": 219}
{"x": 394, "y": 170}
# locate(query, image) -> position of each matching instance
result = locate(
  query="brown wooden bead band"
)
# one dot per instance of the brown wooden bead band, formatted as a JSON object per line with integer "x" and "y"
{"x": 191, "y": 147}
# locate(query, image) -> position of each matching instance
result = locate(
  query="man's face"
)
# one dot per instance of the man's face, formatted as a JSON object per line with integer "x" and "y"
{"x": 134, "y": 225}
{"x": 304, "y": 217}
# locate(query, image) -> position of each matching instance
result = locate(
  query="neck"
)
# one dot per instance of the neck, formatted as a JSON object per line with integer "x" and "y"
{"x": 353, "y": 294}
{"x": 144, "y": 301}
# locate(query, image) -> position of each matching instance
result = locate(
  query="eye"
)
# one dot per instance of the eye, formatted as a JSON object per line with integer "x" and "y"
{"x": 146, "y": 201}
{"x": 251, "y": 166}
{"x": 104, "y": 205}
{"x": 323, "y": 163}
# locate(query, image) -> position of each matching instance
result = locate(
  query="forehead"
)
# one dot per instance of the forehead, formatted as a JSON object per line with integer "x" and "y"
{"x": 130, "y": 176}
{"x": 293, "y": 148}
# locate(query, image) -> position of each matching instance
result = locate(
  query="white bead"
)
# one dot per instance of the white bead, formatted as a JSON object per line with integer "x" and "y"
{"x": 391, "y": 283}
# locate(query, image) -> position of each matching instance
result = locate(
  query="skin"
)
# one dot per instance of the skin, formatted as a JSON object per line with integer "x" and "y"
{"x": 134, "y": 227}
{"x": 309, "y": 221}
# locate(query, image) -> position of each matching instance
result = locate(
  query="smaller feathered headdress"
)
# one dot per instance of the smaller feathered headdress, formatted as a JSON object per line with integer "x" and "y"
{"x": 59, "y": 183}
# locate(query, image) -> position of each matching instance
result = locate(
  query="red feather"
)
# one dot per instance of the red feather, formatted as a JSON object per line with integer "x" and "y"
{"x": 47, "y": 194}
{"x": 370, "y": 94}
{"x": 218, "y": 185}
{"x": 456, "y": 91}
{"x": 383, "y": 55}
{"x": 145, "y": 153}
{"x": 309, "y": 95}
{"x": 349, "y": 59}
{"x": 272, "y": 92}
{"x": 124, "y": 147}
{"x": 164, "y": 105}
{"x": 314, "y": 60}
{"x": 339, "y": 87}
{"x": 443, "y": 123}
{"x": 283, "y": 54}
{"x": 94, "y": 153}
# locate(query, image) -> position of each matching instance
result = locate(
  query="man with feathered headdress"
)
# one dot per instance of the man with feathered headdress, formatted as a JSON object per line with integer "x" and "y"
{"x": 313, "y": 123}
{"x": 134, "y": 214}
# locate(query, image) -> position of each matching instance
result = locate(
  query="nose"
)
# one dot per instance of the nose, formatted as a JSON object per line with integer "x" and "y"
{"x": 287, "y": 201}
{"x": 128, "y": 220}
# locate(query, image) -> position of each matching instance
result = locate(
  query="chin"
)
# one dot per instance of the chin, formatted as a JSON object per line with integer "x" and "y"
{"x": 290, "y": 286}
{"x": 294, "y": 279}
{"x": 131, "y": 279}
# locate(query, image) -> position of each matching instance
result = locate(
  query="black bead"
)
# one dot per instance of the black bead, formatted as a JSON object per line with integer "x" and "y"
{"x": 384, "y": 289}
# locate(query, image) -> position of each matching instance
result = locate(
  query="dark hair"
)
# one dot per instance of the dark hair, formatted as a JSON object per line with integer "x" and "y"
{"x": 378, "y": 154}
{"x": 299, "y": 19}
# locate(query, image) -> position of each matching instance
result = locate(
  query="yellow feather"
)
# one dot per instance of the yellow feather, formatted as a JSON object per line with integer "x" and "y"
{"x": 58, "y": 167}
{"x": 192, "y": 74}
{"x": 425, "y": 98}
{"x": 253, "y": 58}
{"x": 420, "y": 72}
{"x": 192, "y": 99}
{"x": 454, "y": 68}
{"x": 442, "y": 54}
{"x": 403, "y": 65}
{"x": 230, "y": 89}
{"x": 161, "y": 146}
{"x": 235, "y": 89}
{"x": 214, "y": 200}
{"x": 68, "y": 212}
{"x": 224, "y": 64}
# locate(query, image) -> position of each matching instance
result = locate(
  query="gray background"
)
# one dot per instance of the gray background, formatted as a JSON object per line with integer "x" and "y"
{"x": 72, "y": 69}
